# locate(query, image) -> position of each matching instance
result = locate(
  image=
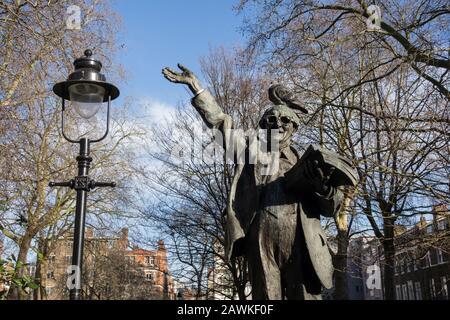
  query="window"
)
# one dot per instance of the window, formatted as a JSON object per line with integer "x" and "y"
{"x": 151, "y": 260}
{"x": 48, "y": 290}
{"x": 418, "y": 291}
{"x": 51, "y": 259}
{"x": 430, "y": 228}
{"x": 411, "y": 290}
{"x": 374, "y": 251}
{"x": 69, "y": 259}
{"x": 32, "y": 270}
{"x": 432, "y": 289}
{"x": 428, "y": 259}
{"x": 444, "y": 288}
{"x": 149, "y": 276}
{"x": 440, "y": 258}
{"x": 50, "y": 275}
{"x": 405, "y": 292}
{"x": 398, "y": 291}
{"x": 442, "y": 225}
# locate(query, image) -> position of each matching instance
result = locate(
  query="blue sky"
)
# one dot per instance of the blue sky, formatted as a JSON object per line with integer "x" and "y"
{"x": 161, "y": 33}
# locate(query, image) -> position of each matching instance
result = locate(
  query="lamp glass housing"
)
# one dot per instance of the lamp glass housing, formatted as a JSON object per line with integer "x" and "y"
{"x": 86, "y": 98}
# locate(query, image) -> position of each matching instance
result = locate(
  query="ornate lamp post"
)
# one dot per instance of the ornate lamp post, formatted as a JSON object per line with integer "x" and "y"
{"x": 86, "y": 89}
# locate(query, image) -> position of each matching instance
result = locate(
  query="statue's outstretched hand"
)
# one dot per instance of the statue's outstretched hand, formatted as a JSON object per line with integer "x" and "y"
{"x": 186, "y": 77}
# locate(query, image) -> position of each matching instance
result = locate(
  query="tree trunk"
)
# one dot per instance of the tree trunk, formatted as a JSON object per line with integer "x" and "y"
{"x": 41, "y": 276}
{"x": 239, "y": 273}
{"x": 38, "y": 278}
{"x": 241, "y": 293}
{"x": 389, "y": 259}
{"x": 340, "y": 259}
{"x": 39, "y": 293}
{"x": 340, "y": 267}
{"x": 16, "y": 293}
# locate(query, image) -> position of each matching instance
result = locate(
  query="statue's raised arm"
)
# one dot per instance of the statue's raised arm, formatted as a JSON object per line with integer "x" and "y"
{"x": 203, "y": 101}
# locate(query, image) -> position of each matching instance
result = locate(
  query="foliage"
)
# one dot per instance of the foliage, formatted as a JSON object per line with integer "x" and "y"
{"x": 9, "y": 276}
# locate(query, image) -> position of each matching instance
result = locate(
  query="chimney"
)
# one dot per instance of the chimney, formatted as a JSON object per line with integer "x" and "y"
{"x": 89, "y": 232}
{"x": 422, "y": 222}
{"x": 440, "y": 211}
{"x": 161, "y": 246}
{"x": 124, "y": 233}
{"x": 124, "y": 239}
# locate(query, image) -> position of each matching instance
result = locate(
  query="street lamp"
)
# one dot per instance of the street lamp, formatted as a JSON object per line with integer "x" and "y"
{"x": 86, "y": 89}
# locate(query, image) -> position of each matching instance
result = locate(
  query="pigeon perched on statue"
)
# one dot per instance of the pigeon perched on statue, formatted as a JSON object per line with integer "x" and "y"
{"x": 280, "y": 95}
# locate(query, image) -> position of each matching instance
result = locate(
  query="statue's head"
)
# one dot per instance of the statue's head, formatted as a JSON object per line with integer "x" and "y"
{"x": 282, "y": 116}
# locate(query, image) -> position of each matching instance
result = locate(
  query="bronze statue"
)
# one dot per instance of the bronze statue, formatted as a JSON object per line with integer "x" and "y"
{"x": 274, "y": 220}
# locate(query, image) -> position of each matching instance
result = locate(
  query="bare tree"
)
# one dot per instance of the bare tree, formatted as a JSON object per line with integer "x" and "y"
{"x": 379, "y": 98}
{"x": 411, "y": 33}
{"x": 37, "y": 50}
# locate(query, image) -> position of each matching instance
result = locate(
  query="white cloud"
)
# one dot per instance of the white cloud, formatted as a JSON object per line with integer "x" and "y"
{"x": 142, "y": 115}
{"x": 153, "y": 111}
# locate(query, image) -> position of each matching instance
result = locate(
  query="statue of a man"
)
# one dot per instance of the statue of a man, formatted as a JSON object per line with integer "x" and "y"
{"x": 274, "y": 220}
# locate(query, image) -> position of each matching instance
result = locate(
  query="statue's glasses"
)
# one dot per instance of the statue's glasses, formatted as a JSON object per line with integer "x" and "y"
{"x": 270, "y": 121}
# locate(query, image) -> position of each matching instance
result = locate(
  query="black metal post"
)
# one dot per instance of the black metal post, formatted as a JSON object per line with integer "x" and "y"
{"x": 84, "y": 162}
{"x": 87, "y": 71}
{"x": 82, "y": 184}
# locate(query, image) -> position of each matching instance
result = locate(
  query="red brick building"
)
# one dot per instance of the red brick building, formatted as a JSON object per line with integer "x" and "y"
{"x": 108, "y": 264}
{"x": 153, "y": 263}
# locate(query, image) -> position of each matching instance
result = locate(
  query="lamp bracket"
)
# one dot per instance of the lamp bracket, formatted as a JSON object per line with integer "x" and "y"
{"x": 82, "y": 183}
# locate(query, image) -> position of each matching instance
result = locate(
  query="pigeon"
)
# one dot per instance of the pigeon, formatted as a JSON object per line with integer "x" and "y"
{"x": 280, "y": 95}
